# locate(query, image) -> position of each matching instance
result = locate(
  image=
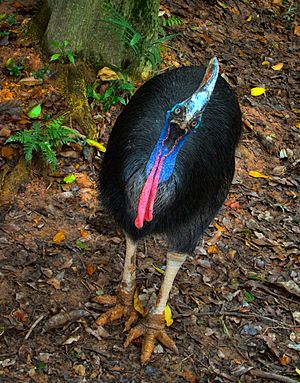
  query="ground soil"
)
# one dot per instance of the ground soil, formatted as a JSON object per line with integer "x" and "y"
{"x": 236, "y": 302}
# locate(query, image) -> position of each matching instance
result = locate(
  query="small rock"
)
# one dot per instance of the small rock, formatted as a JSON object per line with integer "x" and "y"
{"x": 158, "y": 349}
{"x": 149, "y": 370}
{"x": 249, "y": 329}
{"x": 260, "y": 263}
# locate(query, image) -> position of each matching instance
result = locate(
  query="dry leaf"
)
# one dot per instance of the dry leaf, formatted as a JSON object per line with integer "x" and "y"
{"x": 7, "y": 152}
{"x": 266, "y": 63}
{"x": 220, "y": 228}
{"x": 59, "y": 237}
{"x": 278, "y": 66}
{"x": 284, "y": 360}
{"x": 291, "y": 286}
{"x": 168, "y": 316}
{"x": 107, "y": 74}
{"x": 96, "y": 144}
{"x": 72, "y": 339}
{"x": 256, "y": 174}
{"x": 83, "y": 233}
{"x": 90, "y": 269}
{"x": 79, "y": 370}
{"x": 297, "y": 30}
{"x": 249, "y": 18}
{"x": 54, "y": 282}
{"x": 20, "y": 316}
{"x": 212, "y": 250}
{"x": 31, "y": 81}
{"x": 137, "y": 304}
{"x": 296, "y": 316}
{"x": 222, "y": 5}
{"x": 258, "y": 91}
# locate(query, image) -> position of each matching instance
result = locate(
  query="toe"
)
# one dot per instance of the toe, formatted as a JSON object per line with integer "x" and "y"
{"x": 166, "y": 341}
{"x": 134, "y": 333}
{"x": 110, "y": 315}
{"x": 132, "y": 318}
{"x": 106, "y": 299}
{"x": 147, "y": 348}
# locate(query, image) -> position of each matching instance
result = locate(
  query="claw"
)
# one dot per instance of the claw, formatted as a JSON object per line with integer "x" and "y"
{"x": 123, "y": 307}
{"x": 152, "y": 327}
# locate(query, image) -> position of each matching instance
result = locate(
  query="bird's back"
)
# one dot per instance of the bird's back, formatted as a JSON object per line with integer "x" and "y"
{"x": 186, "y": 202}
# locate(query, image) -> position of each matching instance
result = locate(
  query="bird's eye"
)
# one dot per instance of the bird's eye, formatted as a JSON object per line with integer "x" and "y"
{"x": 177, "y": 111}
{"x": 194, "y": 123}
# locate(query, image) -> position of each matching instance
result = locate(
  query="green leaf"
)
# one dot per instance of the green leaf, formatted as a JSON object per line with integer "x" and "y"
{"x": 135, "y": 39}
{"x": 108, "y": 93}
{"x": 55, "y": 57}
{"x": 161, "y": 271}
{"x": 71, "y": 57}
{"x": 10, "y": 62}
{"x": 82, "y": 245}
{"x": 122, "y": 100}
{"x": 55, "y": 44}
{"x": 35, "y": 111}
{"x": 69, "y": 178}
{"x": 248, "y": 296}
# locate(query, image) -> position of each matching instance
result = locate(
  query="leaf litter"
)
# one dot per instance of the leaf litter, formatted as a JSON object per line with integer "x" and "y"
{"x": 235, "y": 303}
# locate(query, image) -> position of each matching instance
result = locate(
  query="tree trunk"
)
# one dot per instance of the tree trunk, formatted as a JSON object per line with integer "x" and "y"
{"x": 92, "y": 41}
{"x": 79, "y": 22}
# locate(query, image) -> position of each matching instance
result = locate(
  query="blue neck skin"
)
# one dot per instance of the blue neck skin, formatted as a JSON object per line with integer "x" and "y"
{"x": 161, "y": 150}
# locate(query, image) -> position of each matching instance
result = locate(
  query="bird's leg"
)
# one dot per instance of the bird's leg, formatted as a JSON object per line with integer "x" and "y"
{"x": 153, "y": 325}
{"x": 123, "y": 302}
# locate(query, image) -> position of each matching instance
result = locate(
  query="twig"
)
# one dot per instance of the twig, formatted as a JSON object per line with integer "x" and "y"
{"x": 270, "y": 375}
{"x": 33, "y": 326}
{"x": 220, "y": 373}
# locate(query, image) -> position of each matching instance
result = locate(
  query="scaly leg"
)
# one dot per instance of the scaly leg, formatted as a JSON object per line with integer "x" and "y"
{"x": 123, "y": 302}
{"x": 152, "y": 326}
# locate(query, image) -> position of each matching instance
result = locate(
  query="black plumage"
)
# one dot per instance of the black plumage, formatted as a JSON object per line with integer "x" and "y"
{"x": 187, "y": 202}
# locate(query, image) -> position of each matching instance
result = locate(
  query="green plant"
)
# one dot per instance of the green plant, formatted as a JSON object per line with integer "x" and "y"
{"x": 12, "y": 67}
{"x": 63, "y": 55}
{"x": 44, "y": 139}
{"x": 10, "y": 19}
{"x": 289, "y": 14}
{"x": 144, "y": 49}
{"x": 118, "y": 92}
{"x": 40, "y": 73}
{"x": 170, "y": 21}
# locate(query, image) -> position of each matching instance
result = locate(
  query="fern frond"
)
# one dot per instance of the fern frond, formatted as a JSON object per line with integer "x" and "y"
{"x": 48, "y": 153}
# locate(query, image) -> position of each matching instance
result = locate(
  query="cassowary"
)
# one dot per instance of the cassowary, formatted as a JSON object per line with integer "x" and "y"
{"x": 167, "y": 170}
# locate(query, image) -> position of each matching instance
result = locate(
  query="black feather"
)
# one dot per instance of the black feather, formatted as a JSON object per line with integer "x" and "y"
{"x": 187, "y": 202}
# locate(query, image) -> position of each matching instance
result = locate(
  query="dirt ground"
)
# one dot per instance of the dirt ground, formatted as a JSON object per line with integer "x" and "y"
{"x": 236, "y": 302}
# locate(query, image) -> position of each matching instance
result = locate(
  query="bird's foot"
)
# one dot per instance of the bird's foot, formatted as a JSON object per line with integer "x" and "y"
{"x": 151, "y": 327}
{"x": 122, "y": 307}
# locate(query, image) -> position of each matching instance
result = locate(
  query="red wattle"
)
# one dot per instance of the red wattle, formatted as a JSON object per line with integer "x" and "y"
{"x": 148, "y": 194}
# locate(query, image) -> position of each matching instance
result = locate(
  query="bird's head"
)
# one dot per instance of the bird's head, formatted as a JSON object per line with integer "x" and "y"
{"x": 182, "y": 120}
{"x": 187, "y": 114}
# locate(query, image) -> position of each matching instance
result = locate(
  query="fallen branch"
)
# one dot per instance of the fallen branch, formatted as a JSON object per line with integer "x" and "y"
{"x": 271, "y": 375}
